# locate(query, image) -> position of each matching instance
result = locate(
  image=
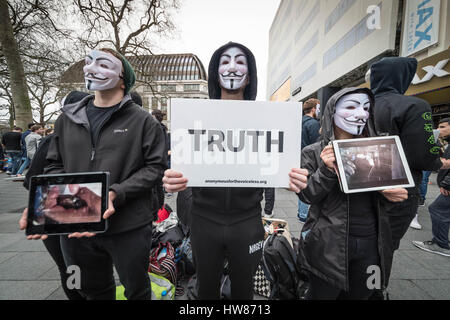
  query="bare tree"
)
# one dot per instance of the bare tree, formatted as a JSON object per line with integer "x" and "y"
{"x": 131, "y": 27}
{"x": 13, "y": 60}
{"x": 38, "y": 28}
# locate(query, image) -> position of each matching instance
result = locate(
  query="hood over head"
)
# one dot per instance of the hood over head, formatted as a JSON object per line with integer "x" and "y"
{"x": 213, "y": 73}
{"x": 393, "y": 74}
{"x": 327, "y": 120}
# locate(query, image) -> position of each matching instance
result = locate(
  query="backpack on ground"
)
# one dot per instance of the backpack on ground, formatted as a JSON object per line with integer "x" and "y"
{"x": 280, "y": 267}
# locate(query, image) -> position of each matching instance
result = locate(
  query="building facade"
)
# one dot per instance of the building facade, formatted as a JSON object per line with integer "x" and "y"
{"x": 317, "y": 47}
{"x": 159, "y": 78}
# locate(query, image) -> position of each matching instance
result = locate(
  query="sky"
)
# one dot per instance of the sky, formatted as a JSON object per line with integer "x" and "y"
{"x": 206, "y": 25}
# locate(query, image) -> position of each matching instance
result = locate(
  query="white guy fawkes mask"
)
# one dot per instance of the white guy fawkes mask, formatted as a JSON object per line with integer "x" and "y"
{"x": 233, "y": 69}
{"x": 352, "y": 113}
{"x": 102, "y": 71}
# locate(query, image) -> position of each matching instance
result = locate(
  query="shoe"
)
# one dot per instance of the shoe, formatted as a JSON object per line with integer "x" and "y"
{"x": 422, "y": 202}
{"x": 415, "y": 223}
{"x": 268, "y": 216}
{"x": 432, "y": 247}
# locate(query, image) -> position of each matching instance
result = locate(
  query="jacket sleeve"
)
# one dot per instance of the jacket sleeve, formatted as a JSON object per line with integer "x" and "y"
{"x": 321, "y": 180}
{"x": 445, "y": 183}
{"x": 155, "y": 163}
{"x": 55, "y": 162}
{"x": 416, "y": 134}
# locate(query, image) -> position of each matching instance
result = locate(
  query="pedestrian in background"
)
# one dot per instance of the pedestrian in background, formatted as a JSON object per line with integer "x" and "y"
{"x": 159, "y": 116}
{"x": 25, "y": 158}
{"x": 410, "y": 118}
{"x": 310, "y": 135}
{"x": 440, "y": 208}
{"x": 12, "y": 146}
{"x": 33, "y": 139}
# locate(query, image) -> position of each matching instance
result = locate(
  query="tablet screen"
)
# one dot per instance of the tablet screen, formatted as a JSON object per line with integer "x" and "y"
{"x": 371, "y": 164}
{"x": 68, "y": 203}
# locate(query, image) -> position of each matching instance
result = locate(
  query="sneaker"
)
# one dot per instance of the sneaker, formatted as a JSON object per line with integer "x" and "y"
{"x": 415, "y": 223}
{"x": 432, "y": 247}
{"x": 422, "y": 202}
{"x": 268, "y": 216}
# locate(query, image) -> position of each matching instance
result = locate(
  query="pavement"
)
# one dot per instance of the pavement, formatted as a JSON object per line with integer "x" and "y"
{"x": 28, "y": 272}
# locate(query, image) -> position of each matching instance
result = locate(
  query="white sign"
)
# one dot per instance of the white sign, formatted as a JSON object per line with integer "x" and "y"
{"x": 226, "y": 143}
{"x": 421, "y": 25}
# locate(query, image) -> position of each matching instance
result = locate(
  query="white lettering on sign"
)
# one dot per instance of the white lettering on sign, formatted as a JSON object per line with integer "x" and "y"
{"x": 437, "y": 70}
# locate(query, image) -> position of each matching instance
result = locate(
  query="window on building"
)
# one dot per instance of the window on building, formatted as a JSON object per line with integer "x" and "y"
{"x": 154, "y": 103}
{"x": 163, "y": 104}
{"x": 192, "y": 87}
{"x": 168, "y": 88}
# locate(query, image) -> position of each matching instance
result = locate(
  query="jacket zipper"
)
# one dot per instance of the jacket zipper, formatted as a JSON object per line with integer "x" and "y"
{"x": 99, "y": 133}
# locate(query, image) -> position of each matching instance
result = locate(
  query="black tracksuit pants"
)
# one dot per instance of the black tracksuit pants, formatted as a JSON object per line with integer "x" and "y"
{"x": 240, "y": 244}
{"x": 362, "y": 253}
{"x": 128, "y": 251}
{"x": 53, "y": 246}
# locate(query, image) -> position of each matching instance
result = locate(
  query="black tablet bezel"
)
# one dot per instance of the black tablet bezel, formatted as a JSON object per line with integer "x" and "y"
{"x": 55, "y": 229}
{"x": 395, "y": 140}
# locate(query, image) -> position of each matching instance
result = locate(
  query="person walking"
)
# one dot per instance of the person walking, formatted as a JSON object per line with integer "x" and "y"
{"x": 440, "y": 208}
{"x": 33, "y": 139}
{"x": 12, "y": 147}
{"x": 26, "y": 161}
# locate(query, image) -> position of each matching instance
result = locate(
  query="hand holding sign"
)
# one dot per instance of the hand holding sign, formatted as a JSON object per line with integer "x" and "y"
{"x": 298, "y": 179}
{"x": 174, "y": 181}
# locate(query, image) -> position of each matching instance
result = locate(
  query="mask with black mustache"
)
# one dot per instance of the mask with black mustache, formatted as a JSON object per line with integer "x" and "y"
{"x": 102, "y": 71}
{"x": 352, "y": 113}
{"x": 233, "y": 69}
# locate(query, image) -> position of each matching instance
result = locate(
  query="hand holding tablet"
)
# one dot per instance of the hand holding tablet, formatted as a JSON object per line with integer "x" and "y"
{"x": 74, "y": 204}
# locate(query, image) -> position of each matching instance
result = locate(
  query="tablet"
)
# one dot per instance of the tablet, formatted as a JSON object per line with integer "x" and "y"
{"x": 372, "y": 164}
{"x": 67, "y": 203}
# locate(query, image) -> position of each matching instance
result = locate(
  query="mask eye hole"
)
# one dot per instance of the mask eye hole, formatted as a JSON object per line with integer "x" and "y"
{"x": 350, "y": 108}
{"x": 104, "y": 66}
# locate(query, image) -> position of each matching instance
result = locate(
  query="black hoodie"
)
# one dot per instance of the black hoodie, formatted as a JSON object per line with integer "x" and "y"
{"x": 408, "y": 117}
{"x": 228, "y": 205}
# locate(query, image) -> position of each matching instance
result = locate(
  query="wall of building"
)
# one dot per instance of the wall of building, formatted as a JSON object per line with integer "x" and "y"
{"x": 315, "y": 42}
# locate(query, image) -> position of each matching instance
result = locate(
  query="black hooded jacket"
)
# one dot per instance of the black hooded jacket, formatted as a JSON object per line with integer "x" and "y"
{"x": 408, "y": 117}
{"x": 228, "y": 205}
{"x": 323, "y": 248}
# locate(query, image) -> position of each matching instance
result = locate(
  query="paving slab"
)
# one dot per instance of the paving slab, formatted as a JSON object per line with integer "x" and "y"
{"x": 27, "y": 290}
{"x": 26, "y": 266}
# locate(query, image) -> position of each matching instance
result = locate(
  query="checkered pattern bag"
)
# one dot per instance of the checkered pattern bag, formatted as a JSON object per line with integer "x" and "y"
{"x": 261, "y": 284}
